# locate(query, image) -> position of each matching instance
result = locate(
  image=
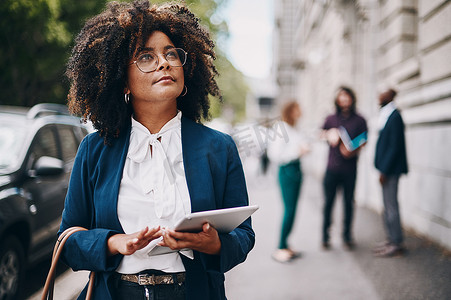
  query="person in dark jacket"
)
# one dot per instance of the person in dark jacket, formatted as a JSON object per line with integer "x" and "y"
{"x": 143, "y": 75}
{"x": 391, "y": 161}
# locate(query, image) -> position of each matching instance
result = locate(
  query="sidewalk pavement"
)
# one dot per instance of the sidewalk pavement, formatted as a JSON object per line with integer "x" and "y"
{"x": 424, "y": 273}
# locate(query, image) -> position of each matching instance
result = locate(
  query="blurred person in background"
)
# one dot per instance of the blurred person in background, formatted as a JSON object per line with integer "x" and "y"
{"x": 143, "y": 74}
{"x": 286, "y": 152}
{"x": 341, "y": 171}
{"x": 264, "y": 160}
{"x": 391, "y": 162}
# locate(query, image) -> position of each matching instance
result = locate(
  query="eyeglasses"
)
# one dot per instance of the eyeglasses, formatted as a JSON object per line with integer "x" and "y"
{"x": 148, "y": 62}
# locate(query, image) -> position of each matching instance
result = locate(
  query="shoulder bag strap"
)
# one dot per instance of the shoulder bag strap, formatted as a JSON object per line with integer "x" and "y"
{"x": 47, "y": 293}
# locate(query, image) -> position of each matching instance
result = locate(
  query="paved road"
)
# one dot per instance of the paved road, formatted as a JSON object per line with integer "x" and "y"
{"x": 425, "y": 273}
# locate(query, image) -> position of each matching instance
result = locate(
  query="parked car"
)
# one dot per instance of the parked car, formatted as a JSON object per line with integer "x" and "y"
{"x": 37, "y": 151}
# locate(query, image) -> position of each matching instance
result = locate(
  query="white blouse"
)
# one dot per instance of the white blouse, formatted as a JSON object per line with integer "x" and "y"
{"x": 153, "y": 192}
{"x": 286, "y": 147}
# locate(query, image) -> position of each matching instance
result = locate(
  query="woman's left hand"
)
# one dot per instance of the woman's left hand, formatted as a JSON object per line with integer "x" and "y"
{"x": 206, "y": 241}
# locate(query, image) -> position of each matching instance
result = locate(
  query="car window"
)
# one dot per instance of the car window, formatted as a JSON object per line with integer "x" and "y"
{"x": 44, "y": 144}
{"x": 12, "y": 138}
{"x": 69, "y": 143}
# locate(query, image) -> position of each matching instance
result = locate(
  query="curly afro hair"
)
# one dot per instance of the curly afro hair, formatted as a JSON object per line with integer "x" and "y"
{"x": 97, "y": 68}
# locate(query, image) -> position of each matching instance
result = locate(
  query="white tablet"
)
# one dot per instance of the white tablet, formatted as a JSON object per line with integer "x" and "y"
{"x": 223, "y": 220}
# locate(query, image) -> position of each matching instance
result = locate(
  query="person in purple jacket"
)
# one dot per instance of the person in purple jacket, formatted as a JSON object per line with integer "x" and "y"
{"x": 341, "y": 168}
{"x": 143, "y": 75}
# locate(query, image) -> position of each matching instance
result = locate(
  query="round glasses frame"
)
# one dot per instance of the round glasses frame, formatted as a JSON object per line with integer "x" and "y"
{"x": 179, "y": 62}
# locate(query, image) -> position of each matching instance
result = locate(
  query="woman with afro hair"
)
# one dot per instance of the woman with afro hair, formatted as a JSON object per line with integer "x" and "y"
{"x": 142, "y": 74}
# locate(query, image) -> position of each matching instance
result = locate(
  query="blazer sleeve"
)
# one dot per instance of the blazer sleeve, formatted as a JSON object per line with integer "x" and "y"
{"x": 393, "y": 143}
{"x": 237, "y": 244}
{"x": 85, "y": 250}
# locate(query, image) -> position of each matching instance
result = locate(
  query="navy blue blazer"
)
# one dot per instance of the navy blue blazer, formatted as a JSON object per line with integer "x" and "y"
{"x": 215, "y": 180}
{"x": 391, "y": 157}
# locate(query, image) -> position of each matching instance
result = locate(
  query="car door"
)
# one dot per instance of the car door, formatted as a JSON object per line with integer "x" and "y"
{"x": 46, "y": 193}
{"x": 69, "y": 146}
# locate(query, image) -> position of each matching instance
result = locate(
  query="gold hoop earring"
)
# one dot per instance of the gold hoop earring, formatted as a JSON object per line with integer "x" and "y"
{"x": 127, "y": 98}
{"x": 186, "y": 91}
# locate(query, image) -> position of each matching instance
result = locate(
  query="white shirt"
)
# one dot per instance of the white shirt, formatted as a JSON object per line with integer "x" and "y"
{"x": 385, "y": 113}
{"x": 153, "y": 192}
{"x": 286, "y": 146}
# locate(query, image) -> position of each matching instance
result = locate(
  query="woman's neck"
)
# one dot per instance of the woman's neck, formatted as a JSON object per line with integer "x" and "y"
{"x": 154, "y": 116}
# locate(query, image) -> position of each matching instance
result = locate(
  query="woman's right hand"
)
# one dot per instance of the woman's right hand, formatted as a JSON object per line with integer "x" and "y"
{"x": 127, "y": 244}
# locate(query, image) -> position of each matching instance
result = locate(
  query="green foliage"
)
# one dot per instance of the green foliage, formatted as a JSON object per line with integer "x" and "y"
{"x": 37, "y": 37}
{"x": 234, "y": 90}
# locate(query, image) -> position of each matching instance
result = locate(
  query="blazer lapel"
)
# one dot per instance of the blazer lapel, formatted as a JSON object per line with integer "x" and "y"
{"x": 117, "y": 154}
{"x": 195, "y": 161}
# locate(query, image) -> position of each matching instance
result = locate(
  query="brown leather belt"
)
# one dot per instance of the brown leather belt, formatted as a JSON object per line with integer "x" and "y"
{"x": 145, "y": 279}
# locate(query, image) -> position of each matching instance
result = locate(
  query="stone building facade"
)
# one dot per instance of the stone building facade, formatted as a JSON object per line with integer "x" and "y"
{"x": 370, "y": 45}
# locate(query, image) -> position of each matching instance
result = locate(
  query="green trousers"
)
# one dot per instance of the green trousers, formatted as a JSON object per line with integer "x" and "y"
{"x": 290, "y": 179}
